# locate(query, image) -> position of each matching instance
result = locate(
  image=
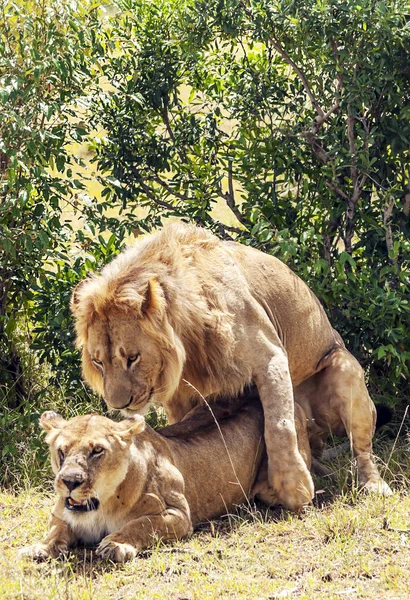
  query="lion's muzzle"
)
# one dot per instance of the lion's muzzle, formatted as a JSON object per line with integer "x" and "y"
{"x": 72, "y": 479}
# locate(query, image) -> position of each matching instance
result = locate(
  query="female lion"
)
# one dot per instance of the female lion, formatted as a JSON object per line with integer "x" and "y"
{"x": 123, "y": 485}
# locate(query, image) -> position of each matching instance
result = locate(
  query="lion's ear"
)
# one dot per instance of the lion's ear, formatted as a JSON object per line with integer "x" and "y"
{"x": 76, "y": 296}
{"x": 50, "y": 420}
{"x": 131, "y": 427}
{"x": 153, "y": 297}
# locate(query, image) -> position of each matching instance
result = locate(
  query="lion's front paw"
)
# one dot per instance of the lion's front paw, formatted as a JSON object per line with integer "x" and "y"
{"x": 113, "y": 549}
{"x": 40, "y": 552}
{"x": 294, "y": 487}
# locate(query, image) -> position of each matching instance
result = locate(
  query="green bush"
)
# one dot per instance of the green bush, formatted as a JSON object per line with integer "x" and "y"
{"x": 296, "y": 117}
{"x": 45, "y": 76}
{"x": 290, "y": 119}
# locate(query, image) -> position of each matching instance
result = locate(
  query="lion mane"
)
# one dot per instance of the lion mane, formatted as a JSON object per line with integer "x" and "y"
{"x": 181, "y": 312}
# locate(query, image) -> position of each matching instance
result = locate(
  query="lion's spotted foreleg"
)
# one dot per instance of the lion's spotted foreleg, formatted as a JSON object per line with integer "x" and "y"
{"x": 141, "y": 533}
{"x": 287, "y": 472}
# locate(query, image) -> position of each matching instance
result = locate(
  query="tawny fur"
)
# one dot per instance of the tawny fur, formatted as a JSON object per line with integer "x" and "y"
{"x": 207, "y": 316}
{"x": 153, "y": 485}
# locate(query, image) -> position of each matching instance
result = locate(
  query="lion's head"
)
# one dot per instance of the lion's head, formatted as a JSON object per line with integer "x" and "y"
{"x": 89, "y": 456}
{"x": 130, "y": 353}
{"x": 154, "y": 317}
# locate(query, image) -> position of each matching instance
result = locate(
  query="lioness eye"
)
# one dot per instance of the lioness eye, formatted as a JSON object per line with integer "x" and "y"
{"x": 97, "y": 451}
{"x": 61, "y": 456}
{"x": 134, "y": 358}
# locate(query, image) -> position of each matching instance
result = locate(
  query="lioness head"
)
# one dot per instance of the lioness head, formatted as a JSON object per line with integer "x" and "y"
{"x": 130, "y": 353}
{"x": 89, "y": 456}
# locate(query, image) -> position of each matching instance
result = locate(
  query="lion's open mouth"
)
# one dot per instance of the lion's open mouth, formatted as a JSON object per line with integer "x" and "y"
{"x": 86, "y": 506}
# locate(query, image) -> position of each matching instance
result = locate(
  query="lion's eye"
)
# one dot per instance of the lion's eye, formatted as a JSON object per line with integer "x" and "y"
{"x": 97, "y": 451}
{"x": 97, "y": 362}
{"x": 61, "y": 456}
{"x": 133, "y": 359}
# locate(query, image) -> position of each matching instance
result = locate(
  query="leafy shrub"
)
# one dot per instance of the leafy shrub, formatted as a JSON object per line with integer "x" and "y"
{"x": 282, "y": 125}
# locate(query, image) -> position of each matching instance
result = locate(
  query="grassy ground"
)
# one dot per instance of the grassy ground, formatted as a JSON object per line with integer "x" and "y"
{"x": 347, "y": 545}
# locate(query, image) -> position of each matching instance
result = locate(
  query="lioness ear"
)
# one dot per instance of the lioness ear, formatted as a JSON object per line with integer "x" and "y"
{"x": 50, "y": 420}
{"x": 153, "y": 297}
{"x": 132, "y": 427}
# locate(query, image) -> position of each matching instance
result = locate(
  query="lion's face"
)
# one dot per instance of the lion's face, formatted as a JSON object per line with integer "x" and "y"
{"x": 89, "y": 455}
{"x": 131, "y": 354}
{"x": 127, "y": 360}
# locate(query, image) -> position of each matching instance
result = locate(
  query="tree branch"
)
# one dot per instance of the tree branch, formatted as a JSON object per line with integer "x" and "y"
{"x": 352, "y": 146}
{"x": 148, "y": 192}
{"x": 406, "y": 208}
{"x": 165, "y": 117}
{"x": 387, "y": 215}
{"x": 300, "y": 74}
{"x": 329, "y": 236}
{"x": 336, "y": 189}
{"x": 169, "y": 189}
{"x": 276, "y": 45}
{"x": 229, "y": 196}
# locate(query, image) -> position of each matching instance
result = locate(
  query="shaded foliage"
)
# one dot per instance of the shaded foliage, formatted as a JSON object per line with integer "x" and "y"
{"x": 283, "y": 125}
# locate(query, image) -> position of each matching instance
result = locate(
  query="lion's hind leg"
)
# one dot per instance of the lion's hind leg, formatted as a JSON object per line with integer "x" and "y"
{"x": 342, "y": 395}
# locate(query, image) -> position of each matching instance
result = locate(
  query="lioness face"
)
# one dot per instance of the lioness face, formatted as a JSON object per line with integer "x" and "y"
{"x": 89, "y": 456}
{"x": 128, "y": 361}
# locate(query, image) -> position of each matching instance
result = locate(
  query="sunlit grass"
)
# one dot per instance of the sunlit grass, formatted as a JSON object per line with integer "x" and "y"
{"x": 347, "y": 545}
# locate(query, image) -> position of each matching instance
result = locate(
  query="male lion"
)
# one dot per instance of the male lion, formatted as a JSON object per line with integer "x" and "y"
{"x": 182, "y": 312}
{"x": 122, "y": 485}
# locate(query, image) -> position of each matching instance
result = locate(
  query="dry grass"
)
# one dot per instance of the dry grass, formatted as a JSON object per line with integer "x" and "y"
{"x": 348, "y": 545}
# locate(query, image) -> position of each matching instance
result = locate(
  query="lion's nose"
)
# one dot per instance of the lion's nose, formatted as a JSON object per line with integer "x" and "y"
{"x": 125, "y": 405}
{"x": 71, "y": 484}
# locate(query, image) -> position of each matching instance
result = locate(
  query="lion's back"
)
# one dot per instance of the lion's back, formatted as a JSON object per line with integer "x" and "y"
{"x": 219, "y": 465}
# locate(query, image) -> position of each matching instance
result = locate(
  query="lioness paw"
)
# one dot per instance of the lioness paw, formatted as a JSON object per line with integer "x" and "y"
{"x": 41, "y": 552}
{"x": 116, "y": 551}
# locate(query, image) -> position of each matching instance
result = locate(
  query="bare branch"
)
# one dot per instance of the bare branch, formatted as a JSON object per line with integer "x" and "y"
{"x": 316, "y": 147}
{"x": 165, "y": 117}
{"x": 387, "y": 215}
{"x": 230, "y": 185}
{"x": 300, "y": 74}
{"x": 276, "y": 45}
{"x": 223, "y": 229}
{"x": 148, "y": 192}
{"x": 335, "y": 106}
{"x": 169, "y": 189}
{"x": 234, "y": 229}
{"x": 352, "y": 147}
{"x": 406, "y": 207}
{"x": 336, "y": 189}
{"x": 229, "y": 196}
{"x": 318, "y": 122}
{"x": 330, "y": 236}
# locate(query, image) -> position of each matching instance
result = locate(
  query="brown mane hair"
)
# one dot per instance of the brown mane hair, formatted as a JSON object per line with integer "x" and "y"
{"x": 153, "y": 280}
